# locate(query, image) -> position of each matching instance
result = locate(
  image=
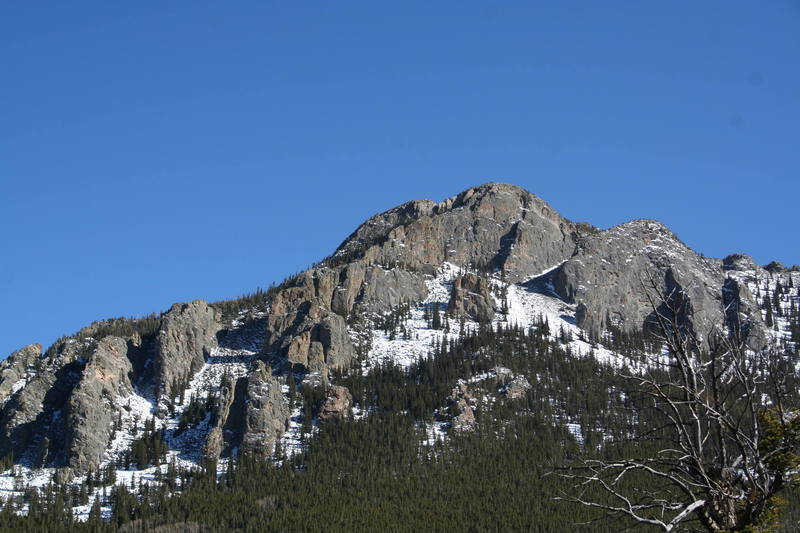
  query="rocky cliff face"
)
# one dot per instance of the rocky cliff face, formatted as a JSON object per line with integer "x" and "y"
{"x": 17, "y": 369}
{"x": 65, "y": 413}
{"x": 225, "y": 381}
{"x": 611, "y": 271}
{"x": 266, "y": 412}
{"x": 93, "y": 405}
{"x": 34, "y": 409}
{"x": 187, "y": 336}
{"x": 496, "y": 226}
{"x": 385, "y": 262}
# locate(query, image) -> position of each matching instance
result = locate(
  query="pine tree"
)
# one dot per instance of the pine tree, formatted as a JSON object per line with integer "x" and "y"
{"x": 768, "y": 308}
{"x": 436, "y": 322}
{"x": 776, "y": 299}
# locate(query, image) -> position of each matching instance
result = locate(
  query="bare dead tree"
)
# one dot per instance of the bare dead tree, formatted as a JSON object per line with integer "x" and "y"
{"x": 722, "y": 428}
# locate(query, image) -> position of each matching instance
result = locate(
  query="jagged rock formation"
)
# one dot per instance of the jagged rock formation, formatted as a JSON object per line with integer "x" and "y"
{"x": 65, "y": 414}
{"x": 494, "y": 225}
{"x": 15, "y": 369}
{"x": 742, "y": 314}
{"x": 302, "y": 327}
{"x": 93, "y": 404}
{"x": 383, "y": 263}
{"x": 28, "y": 415}
{"x": 215, "y": 441}
{"x": 58, "y": 408}
{"x": 267, "y": 412}
{"x": 188, "y": 333}
{"x": 611, "y": 270}
{"x": 472, "y": 297}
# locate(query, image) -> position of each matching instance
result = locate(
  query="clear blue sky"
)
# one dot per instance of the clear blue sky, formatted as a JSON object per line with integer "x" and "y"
{"x": 154, "y": 152}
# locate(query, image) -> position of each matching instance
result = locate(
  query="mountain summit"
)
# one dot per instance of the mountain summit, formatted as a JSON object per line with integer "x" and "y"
{"x": 216, "y": 381}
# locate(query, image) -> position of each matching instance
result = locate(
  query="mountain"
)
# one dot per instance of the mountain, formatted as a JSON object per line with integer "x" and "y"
{"x": 265, "y": 375}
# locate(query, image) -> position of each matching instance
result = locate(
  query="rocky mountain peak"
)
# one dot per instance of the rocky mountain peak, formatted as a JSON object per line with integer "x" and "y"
{"x": 215, "y": 382}
{"x": 495, "y": 226}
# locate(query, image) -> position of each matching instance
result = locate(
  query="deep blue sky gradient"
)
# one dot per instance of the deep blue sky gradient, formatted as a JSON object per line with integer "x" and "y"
{"x": 154, "y": 152}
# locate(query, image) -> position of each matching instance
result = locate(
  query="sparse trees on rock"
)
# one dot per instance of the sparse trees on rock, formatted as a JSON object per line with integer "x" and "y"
{"x": 719, "y": 439}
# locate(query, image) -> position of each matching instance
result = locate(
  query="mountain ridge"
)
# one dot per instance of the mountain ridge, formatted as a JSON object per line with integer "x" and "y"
{"x": 203, "y": 381}
{"x": 774, "y": 265}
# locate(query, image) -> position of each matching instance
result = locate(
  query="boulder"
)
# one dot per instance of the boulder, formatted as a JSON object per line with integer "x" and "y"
{"x": 465, "y": 420}
{"x": 503, "y": 374}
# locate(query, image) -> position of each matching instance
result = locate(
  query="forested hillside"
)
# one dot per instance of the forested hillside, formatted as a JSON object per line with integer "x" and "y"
{"x": 478, "y": 364}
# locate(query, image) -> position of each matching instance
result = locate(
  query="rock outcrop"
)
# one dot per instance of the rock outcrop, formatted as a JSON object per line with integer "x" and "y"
{"x": 472, "y": 297}
{"x": 34, "y": 414}
{"x": 740, "y": 262}
{"x": 266, "y": 412}
{"x": 24, "y": 419}
{"x": 495, "y": 225}
{"x": 609, "y": 275}
{"x": 385, "y": 261}
{"x": 307, "y": 323}
{"x": 516, "y": 388}
{"x": 460, "y": 404}
{"x": 187, "y": 336}
{"x": 215, "y": 440}
{"x": 337, "y": 403}
{"x": 58, "y": 408}
{"x": 64, "y": 414}
{"x": 16, "y": 369}
{"x": 302, "y": 327}
{"x": 93, "y": 405}
{"x": 385, "y": 289}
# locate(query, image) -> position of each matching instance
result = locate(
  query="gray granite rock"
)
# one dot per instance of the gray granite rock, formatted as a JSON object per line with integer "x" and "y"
{"x": 302, "y": 327}
{"x": 28, "y": 417}
{"x": 64, "y": 412}
{"x": 460, "y": 406}
{"x": 16, "y": 369}
{"x": 472, "y": 297}
{"x": 495, "y": 225}
{"x": 267, "y": 413}
{"x": 385, "y": 289}
{"x": 216, "y": 439}
{"x": 187, "y": 336}
{"x": 609, "y": 275}
{"x": 93, "y": 404}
